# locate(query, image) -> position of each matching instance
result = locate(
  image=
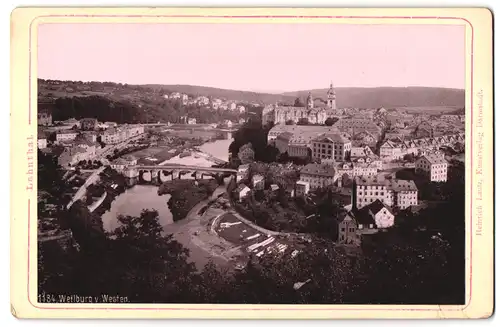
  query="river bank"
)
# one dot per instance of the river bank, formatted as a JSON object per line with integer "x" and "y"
{"x": 185, "y": 194}
{"x": 135, "y": 198}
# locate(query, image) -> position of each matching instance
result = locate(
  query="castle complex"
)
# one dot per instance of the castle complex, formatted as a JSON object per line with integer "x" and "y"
{"x": 282, "y": 114}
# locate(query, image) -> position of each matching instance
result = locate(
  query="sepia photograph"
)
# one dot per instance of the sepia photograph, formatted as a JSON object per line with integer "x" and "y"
{"x": 223, "y": 163}
{"x": 239, "y": 162}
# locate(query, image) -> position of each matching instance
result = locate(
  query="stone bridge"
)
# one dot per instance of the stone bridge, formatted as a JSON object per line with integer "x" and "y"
{"x": 163, "y": 173}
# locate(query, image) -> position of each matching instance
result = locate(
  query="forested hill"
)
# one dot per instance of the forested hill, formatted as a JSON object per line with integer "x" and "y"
{"x": 105, "y": 109}
{"x": 390, "y": 97}
{"x": 98, "y": 107}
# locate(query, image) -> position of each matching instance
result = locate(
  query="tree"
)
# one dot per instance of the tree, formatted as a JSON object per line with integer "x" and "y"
{"x": 298, "y": 103}
{"x": 409, "y": 157}
{"x": 330, "y": 121}
{"x": 303, "y": 121}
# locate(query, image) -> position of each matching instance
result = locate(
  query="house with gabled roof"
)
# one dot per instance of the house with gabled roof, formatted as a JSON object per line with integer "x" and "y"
{"x": 242, "y": 191}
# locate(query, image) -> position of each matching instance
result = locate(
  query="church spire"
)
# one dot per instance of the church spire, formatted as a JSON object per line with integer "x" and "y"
{"x": 310, "y": 101}
{"x": 331, "y": 97}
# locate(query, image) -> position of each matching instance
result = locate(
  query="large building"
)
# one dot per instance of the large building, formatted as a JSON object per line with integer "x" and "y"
{"x": 296, "y": 140}
{"x": 314, "y": 115}
{"x": 66, "y": 135}
{"x": 392, "y": 192}
{"x": 435, "y": 167}
{"x": 318, "y": 175}
{"x": 331, "y": 146}
{"x": 117, "y": 135}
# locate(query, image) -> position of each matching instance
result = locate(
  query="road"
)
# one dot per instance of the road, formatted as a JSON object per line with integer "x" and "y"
{"x": 83, "y": 189}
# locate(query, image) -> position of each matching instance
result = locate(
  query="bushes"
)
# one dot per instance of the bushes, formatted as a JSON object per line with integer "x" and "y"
{"x": 185, "y": 194}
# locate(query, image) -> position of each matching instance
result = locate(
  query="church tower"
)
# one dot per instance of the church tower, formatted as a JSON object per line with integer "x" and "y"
{"x": 331, "y": 98}
{"x": 310, "y": 101}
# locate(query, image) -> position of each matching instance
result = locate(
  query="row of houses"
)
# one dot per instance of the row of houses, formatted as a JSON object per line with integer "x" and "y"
{"x": 206, "y": 101}
{"x": 80, "y": 149}
{"x": 120, "y": 134}
{"x": 393, "y": 150}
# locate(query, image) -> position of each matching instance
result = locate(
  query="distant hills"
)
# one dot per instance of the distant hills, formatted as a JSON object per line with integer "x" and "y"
{"x": 419, "y": 99}
{"x": 387, "y": 97}
{"x": 390, "y": 97}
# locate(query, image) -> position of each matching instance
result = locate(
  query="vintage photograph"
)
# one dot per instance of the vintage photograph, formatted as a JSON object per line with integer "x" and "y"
{"x": 243, "y": 163}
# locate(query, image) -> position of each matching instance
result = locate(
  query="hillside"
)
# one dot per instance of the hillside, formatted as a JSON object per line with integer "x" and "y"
{"x": 422, "y": 98}
{"x": 391, "y": 97}
{"x": 107, "y": 109}
{"x": 244, "y": 96}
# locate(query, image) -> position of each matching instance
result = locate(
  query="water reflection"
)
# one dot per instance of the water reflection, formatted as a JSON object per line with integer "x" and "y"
{"x": 218, "y": 149}
{"x": 133, "y": 201}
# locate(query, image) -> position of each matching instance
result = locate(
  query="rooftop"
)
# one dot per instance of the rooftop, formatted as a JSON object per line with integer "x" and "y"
{"x": 371, "y": 180}
{"x": 318, "y": 169}
{"x": 399, "y": 185}
{"x": 332, "y": 137}
{"x": 67, "y": 131}
{"x": 435, "y": 159}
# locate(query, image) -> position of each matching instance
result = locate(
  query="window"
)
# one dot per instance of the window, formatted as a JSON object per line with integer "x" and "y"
{"x": 342, "y": 229}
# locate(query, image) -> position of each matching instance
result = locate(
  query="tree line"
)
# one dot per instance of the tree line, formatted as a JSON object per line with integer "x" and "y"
{"x": 147, "y": 111}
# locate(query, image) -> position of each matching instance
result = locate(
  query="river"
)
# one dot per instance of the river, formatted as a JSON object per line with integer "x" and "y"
{"x": 218, "y": 149}
{"x": 140, "y": 197}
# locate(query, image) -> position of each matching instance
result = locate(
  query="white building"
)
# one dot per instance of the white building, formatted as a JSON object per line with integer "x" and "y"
{"x": 301, "y": 188}
{"x": 390, "y": 151}
{"x": 374, "y": 215}
{"x": 202, "y": 100}
{"x": 113, "y": 136}
{"x": 66, "y": 135}
{"x": 318, "y": 175}
{"x": 42, "y": 142}
{"x": 435, "y": 167}
{"x": 331, "y": 146}
{"x": 242, "y": 190}
{"x": 258, "y": 182}
{"x": 394, "y": 192}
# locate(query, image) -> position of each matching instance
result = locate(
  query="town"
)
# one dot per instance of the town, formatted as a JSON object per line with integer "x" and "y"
{"x": 248, "y": 182}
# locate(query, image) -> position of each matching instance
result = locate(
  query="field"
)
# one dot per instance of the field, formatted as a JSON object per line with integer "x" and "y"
{"x": 147, "y": 152}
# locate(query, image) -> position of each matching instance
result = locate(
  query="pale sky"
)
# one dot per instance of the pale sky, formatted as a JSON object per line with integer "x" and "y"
{"x": 255, "y": 57}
